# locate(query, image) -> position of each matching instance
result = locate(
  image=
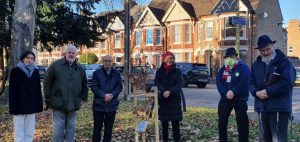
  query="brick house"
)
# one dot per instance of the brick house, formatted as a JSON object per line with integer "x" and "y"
{"x": 293, "y": 38}
{"x": 195, "y": 30}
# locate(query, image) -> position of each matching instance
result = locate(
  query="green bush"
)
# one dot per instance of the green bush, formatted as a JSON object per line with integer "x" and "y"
{"x": 91, "y": 58}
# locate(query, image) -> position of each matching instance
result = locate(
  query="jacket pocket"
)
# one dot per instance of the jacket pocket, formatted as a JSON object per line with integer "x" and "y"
{"x": 57, "y": 100}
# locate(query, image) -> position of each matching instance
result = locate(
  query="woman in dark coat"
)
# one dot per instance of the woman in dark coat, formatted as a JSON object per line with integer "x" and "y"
{"x": 168, "y": 80}
{"x": 25, "y": 97}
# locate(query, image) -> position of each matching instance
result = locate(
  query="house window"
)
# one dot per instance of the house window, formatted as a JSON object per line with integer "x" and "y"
{"x": 188, "y": 57}
{"x": 158, "y": 61}
{"x": 187, "y": 33}
{"x": 290, "y": 49}
{"x": 149, "y": 37}
{"x": 118, "y": 41}
{"x": 208, "y": 30}
{"x": 158, "y": 37}
{"x": 138, "y": 38}
{"x": 230, "y": 30}
{"x": 199, "y": 32}
{"x": 177, "y": 34}
{"x": 178, "y": 57}
{"x": 103, "y": 44}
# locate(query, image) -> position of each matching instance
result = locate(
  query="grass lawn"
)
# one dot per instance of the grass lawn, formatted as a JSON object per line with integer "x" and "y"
{"x": 199, "y": 124}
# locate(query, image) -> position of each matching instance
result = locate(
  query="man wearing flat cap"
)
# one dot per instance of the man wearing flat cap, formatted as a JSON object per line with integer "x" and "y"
{"x": 271, "y": 83}
{"x": 65, "y": 86}
{"x": 232, "y": 84}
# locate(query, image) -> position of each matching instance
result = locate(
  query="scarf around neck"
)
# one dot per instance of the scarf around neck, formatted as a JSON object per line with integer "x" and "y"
{"x": 168, "y": 68}
{"x": 227, "y": 70}
{"x": 27, "y": 69}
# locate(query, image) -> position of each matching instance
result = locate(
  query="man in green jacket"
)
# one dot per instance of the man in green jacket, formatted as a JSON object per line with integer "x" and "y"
{"x": 65, "y": 85}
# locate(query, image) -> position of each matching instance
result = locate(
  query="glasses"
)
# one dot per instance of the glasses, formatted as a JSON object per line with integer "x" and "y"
{"x": 107, "y": 61}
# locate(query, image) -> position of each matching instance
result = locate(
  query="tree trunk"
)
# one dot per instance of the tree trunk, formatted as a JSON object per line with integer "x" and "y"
{"x": 22, "y": 29}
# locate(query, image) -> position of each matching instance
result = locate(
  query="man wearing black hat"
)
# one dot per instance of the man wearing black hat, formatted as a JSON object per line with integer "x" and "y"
{"x": 232, "y": 84}
{"x": 271, "y": 83}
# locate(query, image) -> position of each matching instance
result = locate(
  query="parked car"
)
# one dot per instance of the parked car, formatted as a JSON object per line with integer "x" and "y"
{"x": 297, "y": 82}
{"x": 89, "y": 70}
{"x": 194, "y": 73}
{"x": 42, "y": 71}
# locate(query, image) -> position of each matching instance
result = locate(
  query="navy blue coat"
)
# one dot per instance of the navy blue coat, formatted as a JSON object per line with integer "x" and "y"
{"x": 25, "y": 96}
{"x": 102, "y": 83}
{"x": 238, "y": 84}
{"x": 169, "y": 108}
{"x": 279, "y": 93}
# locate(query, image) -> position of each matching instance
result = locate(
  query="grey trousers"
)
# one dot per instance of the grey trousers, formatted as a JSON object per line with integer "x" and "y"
{"x": 273, "y": 126}
{"x": 64, "y": 125}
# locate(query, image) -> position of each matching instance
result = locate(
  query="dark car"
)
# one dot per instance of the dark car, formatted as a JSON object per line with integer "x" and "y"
{"x": 42, "y": 71}
{"x": 194, "y": 73}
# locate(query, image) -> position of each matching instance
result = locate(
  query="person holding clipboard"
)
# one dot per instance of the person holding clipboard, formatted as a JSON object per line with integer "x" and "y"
{"x": 271, "y": 84}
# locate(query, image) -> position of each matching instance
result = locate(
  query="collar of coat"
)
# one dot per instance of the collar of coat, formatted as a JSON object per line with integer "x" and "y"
{"x": 65, "y": 62}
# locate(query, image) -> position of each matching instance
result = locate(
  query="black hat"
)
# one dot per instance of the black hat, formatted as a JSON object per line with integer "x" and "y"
{"x": 230, "y": 52}
{"x": 264, "y": 41}
{"x": 25, "y": 53}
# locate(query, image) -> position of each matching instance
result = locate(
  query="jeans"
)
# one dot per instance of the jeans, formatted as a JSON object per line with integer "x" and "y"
{"x": 273, "y": 126}
{"x": 24, "y": 127}
{"x": 224, "y": 109}
{"x": 108, "y": 118}
{"x": 64, "y": 125}
{"x": 175, "y": 129}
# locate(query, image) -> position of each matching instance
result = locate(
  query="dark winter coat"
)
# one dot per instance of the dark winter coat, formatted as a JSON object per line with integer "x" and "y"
{"x": 65, "y": 86}
{"x": 25, "y": 95}
{"x": 280, "y": 93}
{"x": 102, "y": 84}
{"x": 239, "y": 82}
{"x": 169, "y": 108}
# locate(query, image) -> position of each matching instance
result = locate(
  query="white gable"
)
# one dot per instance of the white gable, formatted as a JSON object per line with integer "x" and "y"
{"x": 116, "y": 25}
{"x": 176, "y": 12}
{"x": 147, "y": 19}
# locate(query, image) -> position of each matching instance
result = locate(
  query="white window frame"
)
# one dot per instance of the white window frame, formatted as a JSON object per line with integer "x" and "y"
{"x": 103, "y": 42}
{"x": 137, "y": 44}
{"x": 177, "y": 34}
{"x": 189, "y": 57}
{"x": 206, "y": 30}
{"x": 158, "y": 37}
{"x": 187, "y": 33}
{"x": 149, "y": 37}
{"x": 242, "y": 36}
{"x": 200, "y": 31}
{"x": 118, "y": 43}
{"x": 178, "y": 57}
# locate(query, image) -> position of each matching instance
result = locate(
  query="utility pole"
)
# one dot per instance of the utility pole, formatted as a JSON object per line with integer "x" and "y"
{"x": 126, "y": 49}
{"x": 238, "y": 29}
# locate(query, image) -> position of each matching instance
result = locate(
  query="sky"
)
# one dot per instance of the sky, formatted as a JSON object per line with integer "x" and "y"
{"x": 290, "y": 8}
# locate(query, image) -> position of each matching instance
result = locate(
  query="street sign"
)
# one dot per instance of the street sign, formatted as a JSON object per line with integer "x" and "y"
{"x": 238, "y": 21}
